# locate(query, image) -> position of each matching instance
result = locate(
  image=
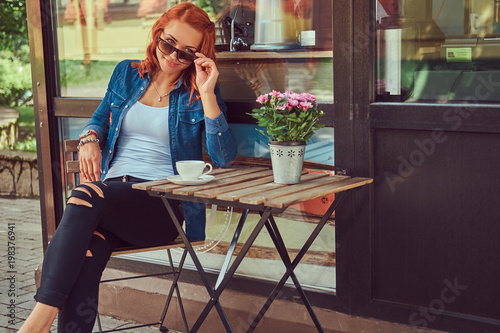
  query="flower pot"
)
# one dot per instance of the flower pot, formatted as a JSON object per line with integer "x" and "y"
{"x": 287, "y": 158}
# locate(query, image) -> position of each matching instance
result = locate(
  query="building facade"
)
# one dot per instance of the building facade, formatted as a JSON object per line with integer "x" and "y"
{"x": 410, "y": 89}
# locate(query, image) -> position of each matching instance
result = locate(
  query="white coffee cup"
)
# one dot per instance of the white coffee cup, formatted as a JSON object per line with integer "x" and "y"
{"x": 192, "y": 169}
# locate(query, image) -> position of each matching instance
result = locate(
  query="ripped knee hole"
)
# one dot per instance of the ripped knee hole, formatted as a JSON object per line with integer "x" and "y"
{"x": 84, "y": 190}
{"x": 82, "y": 202}
{"x": 97, "y": 233}
{"x": 79, "y": 202}
{"x": 96, "y": 188}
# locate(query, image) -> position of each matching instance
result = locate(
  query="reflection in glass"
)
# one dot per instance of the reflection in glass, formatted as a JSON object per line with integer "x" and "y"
{"x": 294, "y": 43}
{"x": 438, "y": 50}
{"x": 94, "y": 35}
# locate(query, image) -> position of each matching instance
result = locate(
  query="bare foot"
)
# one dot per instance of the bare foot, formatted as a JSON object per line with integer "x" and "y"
{"x": 40, "y": 320}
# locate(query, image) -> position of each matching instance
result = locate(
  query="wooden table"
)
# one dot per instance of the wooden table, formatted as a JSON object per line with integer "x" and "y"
{"x": 253, "y": 189}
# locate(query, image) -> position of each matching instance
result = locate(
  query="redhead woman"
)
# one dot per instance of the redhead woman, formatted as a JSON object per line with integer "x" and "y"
{"x": 155, "y": 112}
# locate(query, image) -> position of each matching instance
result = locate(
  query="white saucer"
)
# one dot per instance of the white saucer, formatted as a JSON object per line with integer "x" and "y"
{"x": 177, "y": 179}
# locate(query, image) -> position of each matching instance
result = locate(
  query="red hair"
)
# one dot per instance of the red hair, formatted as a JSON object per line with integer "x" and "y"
{"x": 197, "y": 19}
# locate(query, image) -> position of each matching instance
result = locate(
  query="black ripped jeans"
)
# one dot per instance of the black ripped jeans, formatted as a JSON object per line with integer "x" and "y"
{"x": 70, "y": 274}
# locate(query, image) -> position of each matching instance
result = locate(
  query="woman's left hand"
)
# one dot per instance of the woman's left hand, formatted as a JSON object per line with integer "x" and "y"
{"x": 206, "y": 73}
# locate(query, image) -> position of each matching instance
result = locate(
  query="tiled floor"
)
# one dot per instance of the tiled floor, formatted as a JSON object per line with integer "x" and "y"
{"x": 20, "y": 225}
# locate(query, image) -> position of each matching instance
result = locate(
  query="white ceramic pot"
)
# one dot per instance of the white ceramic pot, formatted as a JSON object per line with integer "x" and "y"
{"x": 287, "y": 158}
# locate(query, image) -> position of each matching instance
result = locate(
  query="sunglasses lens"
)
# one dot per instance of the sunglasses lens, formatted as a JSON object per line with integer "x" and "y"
{"x": 165, "y": 47}
{"x": 185, "y": 57}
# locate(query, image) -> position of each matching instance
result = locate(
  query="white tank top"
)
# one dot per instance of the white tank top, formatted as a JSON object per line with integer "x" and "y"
{"x": 143, "y": 147}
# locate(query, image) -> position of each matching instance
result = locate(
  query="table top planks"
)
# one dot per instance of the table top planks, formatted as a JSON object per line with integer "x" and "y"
{"x": 317, "y": 191}
{"x": 229, "y": 179}
{"x": 256, "y": 186}
{"x": 261, "y": 196}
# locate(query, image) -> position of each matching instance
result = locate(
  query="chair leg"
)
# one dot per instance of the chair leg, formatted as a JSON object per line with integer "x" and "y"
{"x": 184, "y": 319}
{"x": 174, "y": 272}
{"x": 99, "y": 322}
{"x": 174, "y": 286}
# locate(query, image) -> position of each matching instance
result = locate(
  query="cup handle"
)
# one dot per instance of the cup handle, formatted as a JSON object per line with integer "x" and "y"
{"x": 209, "y": 168}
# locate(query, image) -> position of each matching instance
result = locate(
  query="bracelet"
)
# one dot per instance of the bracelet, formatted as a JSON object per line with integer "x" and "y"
{"x": 87, "y": 133}
{"x": 84, "y": 141}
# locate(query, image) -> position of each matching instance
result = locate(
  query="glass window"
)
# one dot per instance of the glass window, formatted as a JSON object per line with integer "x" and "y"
{"x": 293, "y": 51}
{"x": 438, "y": 50}
{"x": 262, "y": 45}
{"x": 94, "y": 35}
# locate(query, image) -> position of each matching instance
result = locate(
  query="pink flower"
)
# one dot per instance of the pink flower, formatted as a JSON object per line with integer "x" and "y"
{"x": 283, "y": 111}
{"x": 262, "y": 99}
{"x": 306, "y": 105}
{"x": 275, "y": 93}
{"x": 309, "y": 97}
{"x": 292, "y": 95}
{"x": 292, "y": 102}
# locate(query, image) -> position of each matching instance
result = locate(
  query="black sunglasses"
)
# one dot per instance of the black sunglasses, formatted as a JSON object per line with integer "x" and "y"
{"x": 167, "y": 49}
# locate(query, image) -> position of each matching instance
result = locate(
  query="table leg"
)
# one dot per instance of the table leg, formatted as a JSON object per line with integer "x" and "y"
{"x": 280, "y": 246}
{"x": 175, "y": 287}
{"x": 199, "y": 267}
{"x": 215, "y": 297}
{"x": 215, "y": 294}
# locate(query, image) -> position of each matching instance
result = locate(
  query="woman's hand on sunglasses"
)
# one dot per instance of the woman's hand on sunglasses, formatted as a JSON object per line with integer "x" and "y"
{"x": 206, "y": 74}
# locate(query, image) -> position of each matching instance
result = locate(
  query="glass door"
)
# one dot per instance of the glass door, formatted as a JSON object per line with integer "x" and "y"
{"x": 443, "y": 51}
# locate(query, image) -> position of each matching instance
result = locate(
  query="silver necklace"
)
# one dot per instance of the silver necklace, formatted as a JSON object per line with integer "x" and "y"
{"x": 159, "y": 96}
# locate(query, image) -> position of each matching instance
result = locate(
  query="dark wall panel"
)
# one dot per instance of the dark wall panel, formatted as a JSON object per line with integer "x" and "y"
{"x": 437, "y": 221}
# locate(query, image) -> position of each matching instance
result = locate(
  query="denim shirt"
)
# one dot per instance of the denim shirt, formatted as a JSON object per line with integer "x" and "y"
{"x": 187, "y": 125}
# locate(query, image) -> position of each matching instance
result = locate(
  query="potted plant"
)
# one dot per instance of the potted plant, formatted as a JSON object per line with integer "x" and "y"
{"x": 290, "y": 120}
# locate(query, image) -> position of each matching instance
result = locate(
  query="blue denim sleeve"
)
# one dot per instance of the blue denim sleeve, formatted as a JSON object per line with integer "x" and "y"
{"x": 100, "y": 120}
{"x": 221, "y": 143}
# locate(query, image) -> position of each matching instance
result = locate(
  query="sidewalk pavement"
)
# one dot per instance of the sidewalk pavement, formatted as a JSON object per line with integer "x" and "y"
{"x": 21, "y": 252}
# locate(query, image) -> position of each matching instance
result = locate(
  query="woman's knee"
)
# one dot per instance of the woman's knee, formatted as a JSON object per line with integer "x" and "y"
{"x": 97, "y": 255}
{"x": 98, "y": 234}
